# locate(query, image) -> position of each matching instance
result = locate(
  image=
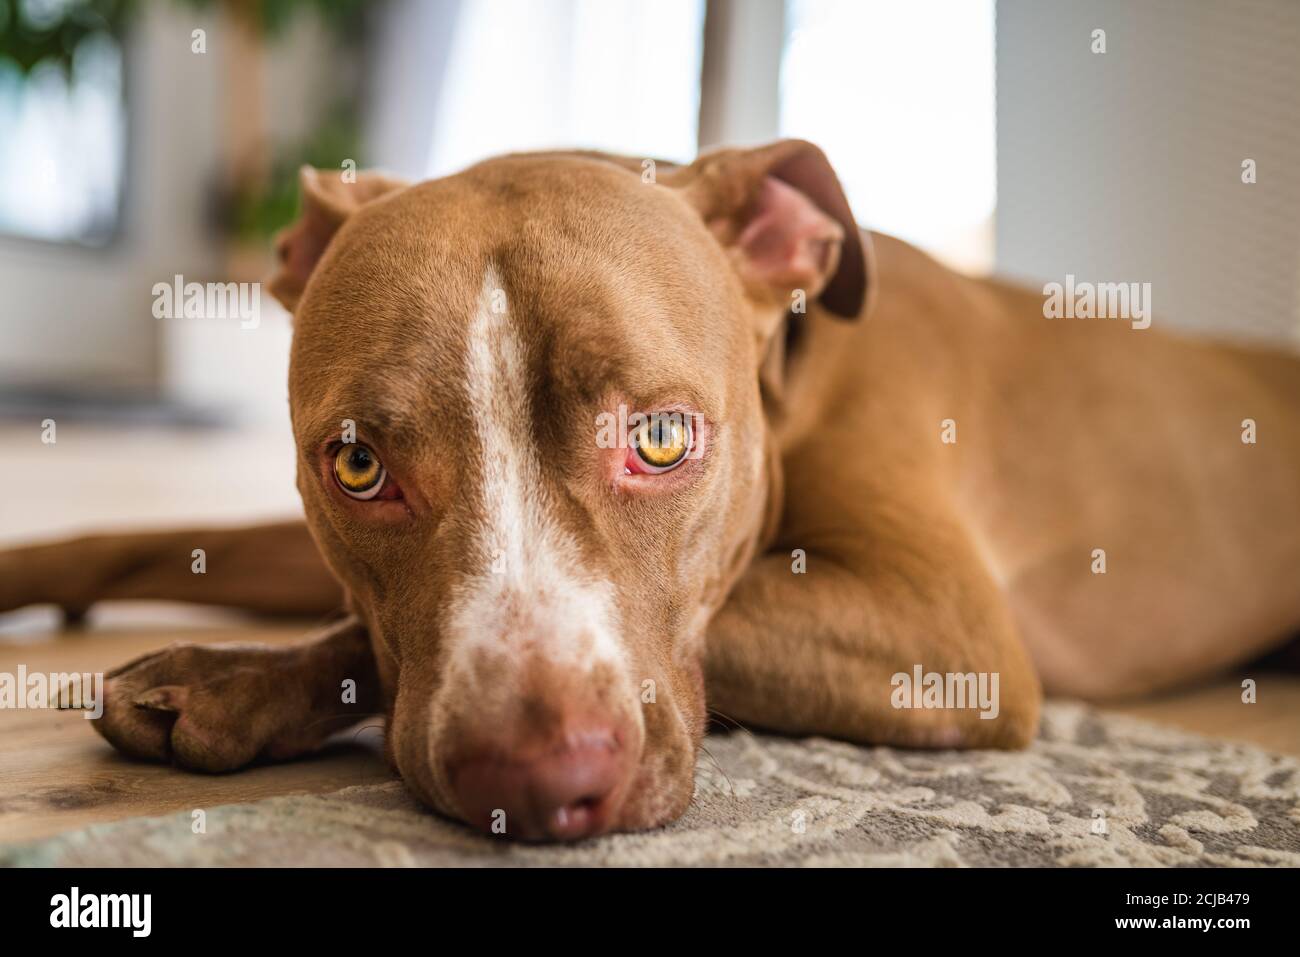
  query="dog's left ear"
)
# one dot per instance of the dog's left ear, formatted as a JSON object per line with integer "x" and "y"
{"x": 327, "y": 202}
{"x": 780, "y": 213}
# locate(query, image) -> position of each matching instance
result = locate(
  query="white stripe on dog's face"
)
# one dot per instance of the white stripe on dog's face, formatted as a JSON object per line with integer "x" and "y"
{"x": 529, "y": 584}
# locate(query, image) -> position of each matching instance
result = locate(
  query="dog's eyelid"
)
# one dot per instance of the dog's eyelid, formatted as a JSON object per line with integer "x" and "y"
{"x": 330, "y": 445}
{"x": 387, "y": 432}
{"x": 667, "y": 406}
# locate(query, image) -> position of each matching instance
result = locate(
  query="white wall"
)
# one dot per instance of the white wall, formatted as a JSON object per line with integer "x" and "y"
{"x": 1125, "y": 166}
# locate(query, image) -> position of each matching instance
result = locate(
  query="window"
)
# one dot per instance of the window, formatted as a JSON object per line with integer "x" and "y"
{"x": 64, "y": 131}
{"x": 901, "y": 98}
{"x": 616, "y": 75}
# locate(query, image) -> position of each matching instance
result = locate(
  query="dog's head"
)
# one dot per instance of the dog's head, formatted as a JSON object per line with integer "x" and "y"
{"x": 532, "y": 444}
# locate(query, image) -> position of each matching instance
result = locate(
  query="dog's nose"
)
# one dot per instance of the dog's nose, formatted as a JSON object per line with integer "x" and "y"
{"x": 563, "y": 794}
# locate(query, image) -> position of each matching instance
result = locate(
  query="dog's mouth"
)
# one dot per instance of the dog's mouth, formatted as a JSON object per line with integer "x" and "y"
{"x": 571, "y": 792}
{"x": 560, "y": 768}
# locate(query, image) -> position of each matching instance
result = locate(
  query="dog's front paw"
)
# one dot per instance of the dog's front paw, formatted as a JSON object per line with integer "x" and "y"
{"x": 208, "y": 708}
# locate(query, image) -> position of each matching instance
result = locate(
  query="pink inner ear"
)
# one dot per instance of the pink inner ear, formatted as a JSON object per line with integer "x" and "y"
{"x": 789, "y": 243}
{"x": 301, "y": 245}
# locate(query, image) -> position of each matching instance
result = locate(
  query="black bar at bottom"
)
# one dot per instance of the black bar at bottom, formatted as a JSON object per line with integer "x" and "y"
{"x": 381, "y": 907}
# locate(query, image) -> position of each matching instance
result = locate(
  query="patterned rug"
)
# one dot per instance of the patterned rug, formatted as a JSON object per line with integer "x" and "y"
{"x": 1093, "y": 790}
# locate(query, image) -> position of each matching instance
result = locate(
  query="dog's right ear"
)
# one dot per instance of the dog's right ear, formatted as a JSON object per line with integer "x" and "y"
{"x": 327, "y": 202}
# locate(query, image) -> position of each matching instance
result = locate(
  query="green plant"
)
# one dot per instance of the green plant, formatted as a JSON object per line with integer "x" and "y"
{"x": 33, "y": 33}
{"x": 256, "y": 215}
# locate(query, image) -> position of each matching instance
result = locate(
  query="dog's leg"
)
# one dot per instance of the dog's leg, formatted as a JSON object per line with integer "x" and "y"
{"x": 219, "y": 707}
{"x": 817, "y": 652}
{"x": 269, "y": 569}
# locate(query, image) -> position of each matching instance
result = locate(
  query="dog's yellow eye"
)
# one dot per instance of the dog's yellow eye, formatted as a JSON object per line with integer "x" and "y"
{"x": 662, "y": 441}
{"x": 358, "y": 471}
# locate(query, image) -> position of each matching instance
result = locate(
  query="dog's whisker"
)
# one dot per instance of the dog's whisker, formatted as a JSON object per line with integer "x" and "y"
{"x": 731, "y": 786}
{"x": 336, "y": 717}
{"x": 365, "y": 727}
{"x": 727, "y": 719}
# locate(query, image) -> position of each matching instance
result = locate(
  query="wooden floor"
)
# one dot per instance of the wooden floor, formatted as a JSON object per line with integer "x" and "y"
{"x": 57, "y": 774}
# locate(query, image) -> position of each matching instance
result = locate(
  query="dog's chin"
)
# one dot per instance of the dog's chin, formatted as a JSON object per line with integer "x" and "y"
{"x": 652, "y": 800}
{"x": 648, "y": 806}
{"x": 656, "y": 803}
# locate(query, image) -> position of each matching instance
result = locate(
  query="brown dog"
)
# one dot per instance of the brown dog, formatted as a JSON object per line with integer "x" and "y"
{"x": 919, "y": 474}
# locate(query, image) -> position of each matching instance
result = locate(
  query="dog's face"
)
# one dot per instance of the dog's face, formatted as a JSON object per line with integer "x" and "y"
{"x": 533, "y": 447}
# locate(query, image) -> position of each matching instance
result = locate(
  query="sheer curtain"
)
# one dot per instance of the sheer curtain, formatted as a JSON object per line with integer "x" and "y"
{"x": 900, "y": 95}
{"x": 901, "y": 98}
{"x": 618, "y": 75}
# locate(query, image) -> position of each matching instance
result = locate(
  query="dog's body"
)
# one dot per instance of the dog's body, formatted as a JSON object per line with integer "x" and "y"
{"x": 921, "y": 472}
{"x": 1080, "y": 434}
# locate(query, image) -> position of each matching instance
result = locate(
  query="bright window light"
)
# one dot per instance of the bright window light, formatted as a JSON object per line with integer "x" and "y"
{"x": 62, "y": 146}
{"x": 616, "y": 75}
{"x": 901, "y": 98}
